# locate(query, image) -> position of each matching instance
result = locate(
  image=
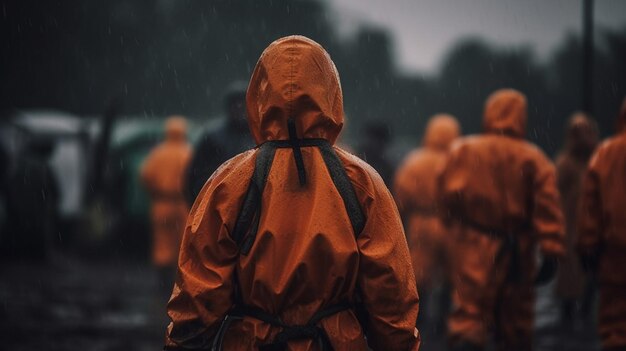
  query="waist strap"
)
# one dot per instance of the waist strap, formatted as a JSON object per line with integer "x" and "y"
{"x": 163, "y": 196}
{"x": 510, "y": 247}
{"x": 310, "y": 330}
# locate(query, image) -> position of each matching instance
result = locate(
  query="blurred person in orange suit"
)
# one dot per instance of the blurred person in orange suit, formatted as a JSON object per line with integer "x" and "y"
{"x": 295, "y": 244}
{"x": 571, "y": 285}
{"x": 415, "y": 190}
{"x": 162, "y": 176}
{"x": 499, "y": 194}
{"x": 602, "y": 233}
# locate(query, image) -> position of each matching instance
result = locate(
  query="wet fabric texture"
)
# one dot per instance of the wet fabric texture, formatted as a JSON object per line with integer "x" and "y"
{"x": 601, "y": 231}
{"x": 499, "y": 194}
{"x": 305, "y": 257}
{"x": 415, "y": 190}
{"x": 571, "y": 164}
{"x": 162, "y": 175}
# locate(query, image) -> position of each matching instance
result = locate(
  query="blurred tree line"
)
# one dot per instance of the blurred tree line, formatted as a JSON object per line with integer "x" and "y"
{"x": 169, "y": 56}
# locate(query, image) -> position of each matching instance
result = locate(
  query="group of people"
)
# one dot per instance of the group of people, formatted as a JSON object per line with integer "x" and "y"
{"x": 475, "y": 209}
{"x": 291, "y": 243}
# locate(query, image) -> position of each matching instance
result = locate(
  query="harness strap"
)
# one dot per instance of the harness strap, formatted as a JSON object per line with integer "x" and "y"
{"x": 247, "y": 224}
{"x": 218, "y": 341}
{"x": 344, "y": 186}
{"x": 310, "y": 330}
{"x": 297, "y": 153}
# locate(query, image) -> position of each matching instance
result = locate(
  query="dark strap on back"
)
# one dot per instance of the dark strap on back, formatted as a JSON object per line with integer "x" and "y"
{"x": 247, "y": 223}
{"x": 297, "y": 153}
{"x": 310, "y": 330}
{"x": 344, "y": 186}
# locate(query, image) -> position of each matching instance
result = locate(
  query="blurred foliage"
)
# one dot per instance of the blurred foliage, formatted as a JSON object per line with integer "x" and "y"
{"x": 169, "y": 56}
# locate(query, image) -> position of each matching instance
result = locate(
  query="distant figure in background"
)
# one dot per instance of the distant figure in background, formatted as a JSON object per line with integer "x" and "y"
{"x": 601, "y": 225}
{"x": 415, "y": 190}
{"x": 500, "y": 194}
{"x": 162, "y": 175}
{"x": 220, "y": 143}
{"x": 374, "y": 148}
{"x": 571, "y": 164}
{"x": 32, "y": 202}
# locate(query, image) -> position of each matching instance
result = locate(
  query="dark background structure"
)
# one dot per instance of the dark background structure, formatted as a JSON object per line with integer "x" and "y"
{"x": 178, "y": 57}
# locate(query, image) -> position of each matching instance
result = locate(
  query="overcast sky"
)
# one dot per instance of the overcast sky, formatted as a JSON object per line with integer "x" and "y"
{"x": 423, "y": 30}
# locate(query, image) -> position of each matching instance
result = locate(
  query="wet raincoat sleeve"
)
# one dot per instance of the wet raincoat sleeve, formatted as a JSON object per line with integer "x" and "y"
{"x": 589, "y": 223}
{"x": 203, "y": 291}
{"x": 386, "y": 279}
{"x": 547, "y": 218}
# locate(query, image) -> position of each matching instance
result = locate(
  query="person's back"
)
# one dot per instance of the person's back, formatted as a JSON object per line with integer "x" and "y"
{"x": 571, "y": 164}
{"x": 602, "y": 232}
{"x": 415, "y": 183}
{"x": 500, "y": 193}
{"x": 273, "y": 254}
{"x": 416, "y": 192}
{"x": 491, "y": 179}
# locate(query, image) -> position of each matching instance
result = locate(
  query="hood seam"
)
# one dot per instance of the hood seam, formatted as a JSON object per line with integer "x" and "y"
{"x": 291, "y": 82}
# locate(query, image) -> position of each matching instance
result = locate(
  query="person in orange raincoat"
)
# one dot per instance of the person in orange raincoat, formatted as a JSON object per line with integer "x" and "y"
{"x": 162, "y": 176}
{"x": 415, "y": 190}
{"x": 602, "y": 233}
{"x": 571, "y": 164}
{"x": 287, "y": 239}
{"x": 499, "y": 193}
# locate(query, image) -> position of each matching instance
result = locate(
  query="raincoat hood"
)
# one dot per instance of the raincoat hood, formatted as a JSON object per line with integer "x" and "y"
{"x": 505, "y": 113}
{"x": 294, "y": 78}
{"x": 621, "y": 118}
{"x": 441, "y": 130}
{"x": 176, "y": 129}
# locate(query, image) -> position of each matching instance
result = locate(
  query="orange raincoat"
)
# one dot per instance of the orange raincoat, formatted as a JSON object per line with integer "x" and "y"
{"x": 501, "y": 197}
{"x": 571, "y": 164}
{"x": 602, "y": 232}
{"x": 305, "y": 257}
{"x": 415, "y": 190}
{"x": 162, "y": 176}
